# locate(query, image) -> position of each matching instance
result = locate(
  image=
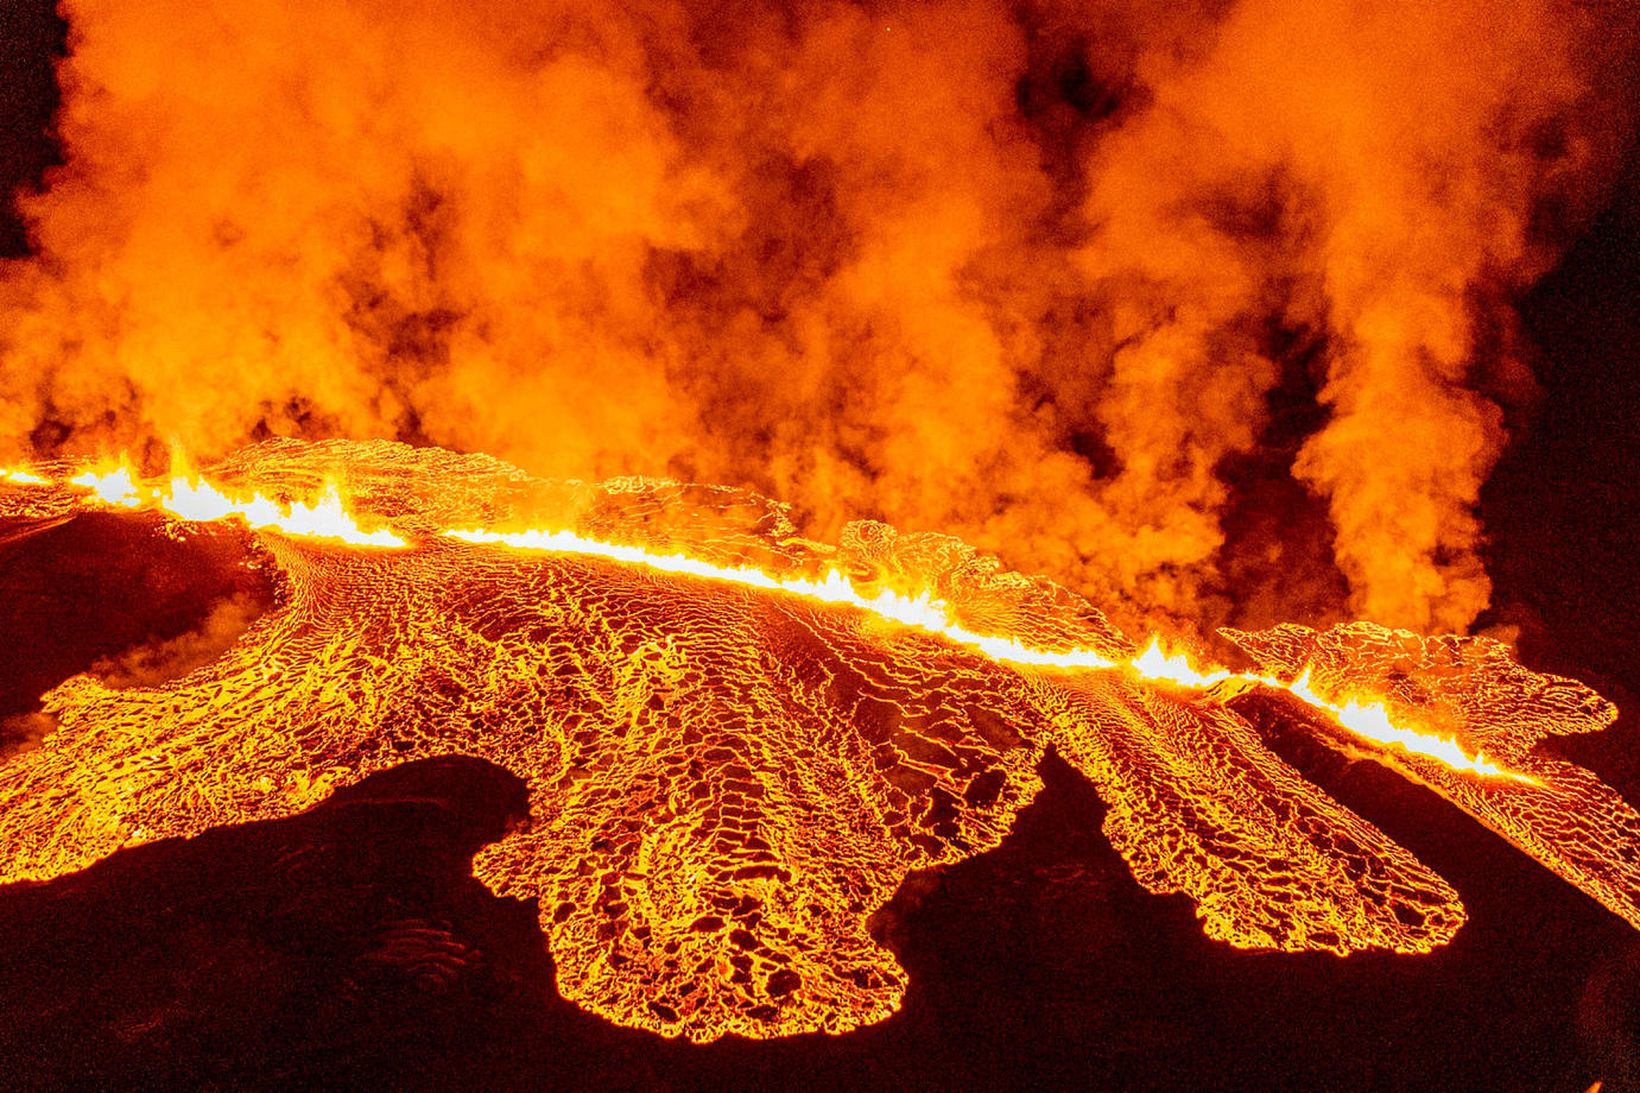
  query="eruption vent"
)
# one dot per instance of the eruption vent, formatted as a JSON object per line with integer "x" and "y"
{"x": 729, "y": 774}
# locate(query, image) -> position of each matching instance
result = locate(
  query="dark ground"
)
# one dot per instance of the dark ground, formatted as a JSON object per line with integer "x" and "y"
{"x": 349, "y": 946}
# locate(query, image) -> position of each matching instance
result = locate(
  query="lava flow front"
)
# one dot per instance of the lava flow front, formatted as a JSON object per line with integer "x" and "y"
{"x": 740, "y": 742}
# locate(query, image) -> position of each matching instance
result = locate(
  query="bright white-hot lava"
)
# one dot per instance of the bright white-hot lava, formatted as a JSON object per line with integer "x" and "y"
{"x": 1369, "y": 720}
{"x": 111, "y": 487}
{"x": 188, "y": 497}
{"x": 325, "y": 517}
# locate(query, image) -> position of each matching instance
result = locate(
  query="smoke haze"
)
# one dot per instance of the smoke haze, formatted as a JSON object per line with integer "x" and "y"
{"x": 1203, "y": 310}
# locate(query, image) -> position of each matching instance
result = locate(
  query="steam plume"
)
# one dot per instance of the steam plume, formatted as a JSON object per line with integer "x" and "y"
{"x": 1028, "y": 273}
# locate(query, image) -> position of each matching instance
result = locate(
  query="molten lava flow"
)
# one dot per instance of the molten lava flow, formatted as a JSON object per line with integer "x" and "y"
{"x": 186, "y": 497}
{"x": 1369, "y": 720}
{"x": 1564, "y": 816}
{"x": 323, "y": 518}
{"x": 736, "y": 753}
{"x": 189, "y": 498}
{"x": 115, "y": 487}
{"x": 921, "y": 610}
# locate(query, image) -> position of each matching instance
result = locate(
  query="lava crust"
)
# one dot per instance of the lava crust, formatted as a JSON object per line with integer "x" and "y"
{"x": 726, "y": 782}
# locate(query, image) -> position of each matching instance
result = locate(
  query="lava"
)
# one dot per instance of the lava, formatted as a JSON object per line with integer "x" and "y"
{"x": 739, "y": 742}
{"x": 1369, "y": 720}
{"x": 189, "y": 498}
{"x": 113, "y": 487}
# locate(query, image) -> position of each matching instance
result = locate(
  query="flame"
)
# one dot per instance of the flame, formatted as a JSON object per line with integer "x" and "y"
{"x": 19, "y": 477}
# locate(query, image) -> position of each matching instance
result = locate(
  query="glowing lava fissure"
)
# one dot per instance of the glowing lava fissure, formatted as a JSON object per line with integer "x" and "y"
{"x": 738, "y": 745}
{"x": 188, "y": 497}
{"x": 1369, "y": 720}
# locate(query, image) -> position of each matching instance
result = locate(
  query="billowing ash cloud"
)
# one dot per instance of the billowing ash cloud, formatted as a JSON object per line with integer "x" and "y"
{"x": 1030, "y": 273}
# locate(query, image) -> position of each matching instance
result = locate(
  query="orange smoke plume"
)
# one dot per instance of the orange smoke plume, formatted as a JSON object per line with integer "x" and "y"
{"x": 1029, "y": 273}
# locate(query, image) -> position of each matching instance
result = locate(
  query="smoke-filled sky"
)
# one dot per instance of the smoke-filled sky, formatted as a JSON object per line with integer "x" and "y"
{"x": 1204, "y": 310}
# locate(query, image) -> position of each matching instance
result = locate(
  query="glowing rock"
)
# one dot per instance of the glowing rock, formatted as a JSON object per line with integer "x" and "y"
{"x": 726, "y": 779}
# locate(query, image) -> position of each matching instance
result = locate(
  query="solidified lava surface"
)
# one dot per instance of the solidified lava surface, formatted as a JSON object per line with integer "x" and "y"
{"x": 726, "y": 783}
